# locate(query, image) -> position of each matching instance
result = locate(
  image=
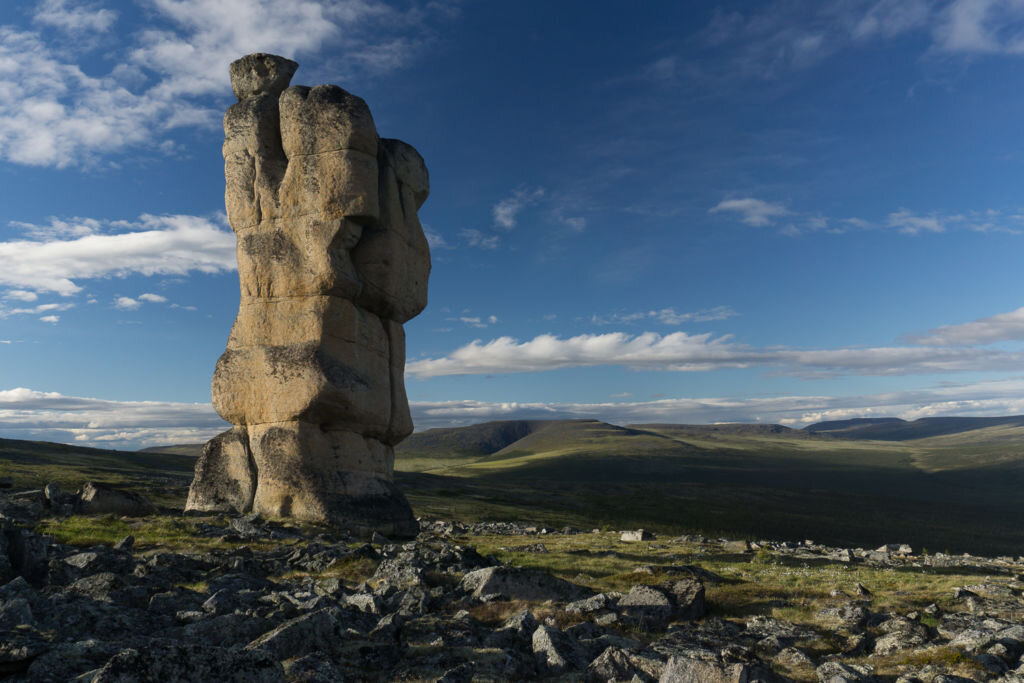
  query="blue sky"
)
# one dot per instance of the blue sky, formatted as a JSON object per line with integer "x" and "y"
{"x": 679, "y": 212}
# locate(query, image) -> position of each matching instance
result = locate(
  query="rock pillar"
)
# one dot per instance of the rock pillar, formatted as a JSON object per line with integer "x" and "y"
{"x": 331, "y": 261}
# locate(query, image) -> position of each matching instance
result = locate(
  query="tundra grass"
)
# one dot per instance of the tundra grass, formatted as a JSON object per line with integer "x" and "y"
{"x": 154, "y": 533}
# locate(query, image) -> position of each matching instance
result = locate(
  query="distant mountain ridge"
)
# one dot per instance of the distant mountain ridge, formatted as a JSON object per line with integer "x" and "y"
{"x": 895, "y": 429}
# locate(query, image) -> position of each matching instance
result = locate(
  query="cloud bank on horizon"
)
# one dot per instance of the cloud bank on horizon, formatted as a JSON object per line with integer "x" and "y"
{"x": 35, "y": 415}
{"x": 804, "y": 210}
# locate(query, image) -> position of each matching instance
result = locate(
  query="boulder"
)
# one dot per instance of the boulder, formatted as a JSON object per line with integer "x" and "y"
{"x": 100, "y": 499}
{"x": 647, "y": 607}
{"x": 556, "y": 652}
{"x": 519, "y": 583}
{"x": 185, "y": 663}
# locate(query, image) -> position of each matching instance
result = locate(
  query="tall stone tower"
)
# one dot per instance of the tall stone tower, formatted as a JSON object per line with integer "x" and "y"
{"x": 331, "y": 261}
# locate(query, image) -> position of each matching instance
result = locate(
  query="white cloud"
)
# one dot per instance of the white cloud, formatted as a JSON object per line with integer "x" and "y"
{"x": 506, "y": 211}
{"x": 1001, "y": 327}
{"x": 126, "y": 303}
{"x": 477, "y": 239}
{"x": 152, "y": 245}
{"x": 28, "y": 414}
{"x": 152, "y": 298}
{"x": 476, "y": 321}
{"x": 77, "y": 18}
{"x": 21, "y": 295}
{"x": 5, "y": 341}
{"x": 754, "y": 212}
{"x": 54, "y": 112}
{"x": 681, "y": 352}
{"x": 52, "y": 319}
{"x": 912, "y": 224}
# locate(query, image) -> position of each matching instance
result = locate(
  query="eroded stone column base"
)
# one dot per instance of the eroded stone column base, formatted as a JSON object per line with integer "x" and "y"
{"x": 300, "y": 470}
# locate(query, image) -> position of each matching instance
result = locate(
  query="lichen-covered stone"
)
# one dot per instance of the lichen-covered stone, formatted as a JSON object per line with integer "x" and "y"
{"x": 332, "y": 260}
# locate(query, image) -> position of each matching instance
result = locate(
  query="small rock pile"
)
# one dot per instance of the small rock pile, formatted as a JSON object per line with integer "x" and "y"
{"x": 434, "y": 609}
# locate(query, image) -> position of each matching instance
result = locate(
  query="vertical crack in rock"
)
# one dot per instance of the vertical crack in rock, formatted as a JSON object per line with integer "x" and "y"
{"x": 332, "y": 260}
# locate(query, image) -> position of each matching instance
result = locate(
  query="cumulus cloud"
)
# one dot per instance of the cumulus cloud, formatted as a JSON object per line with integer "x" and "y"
{"x": 506, "y": 212}
{"x": 682, "y": 352}
{"x": 752, "y": 211}
{"x": 52, "y": 319}
{"x": 152, "y": 298}
{"x": 28, "y": 414}
{"x": 126, "y": 303}
{"x": 997, "y": 328}
{"x": 151, "y": 245}
{"x": 55, "y": 112}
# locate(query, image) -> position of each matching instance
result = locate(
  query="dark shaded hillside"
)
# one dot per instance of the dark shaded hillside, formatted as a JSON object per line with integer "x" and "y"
{"x": 895, "y": 429}
{"x": 191, "y": 449}
{"x": 731, "y": 429}
{"x": 163, "y": 477}
{"x": 476, "y": 440}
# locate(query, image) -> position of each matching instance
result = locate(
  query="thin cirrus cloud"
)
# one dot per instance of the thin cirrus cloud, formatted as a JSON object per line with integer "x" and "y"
{"x": 788, "y": 35}
{"x": 55, "y": 113}
{"x": 760, "y": 213}
{"x": 752, "y": 211}
{"x": 74, "y": 19}
{"x": 36, "y": 310}
{"x": 667, "y": 316}
{"x": 506, "y": 212}
{"x": 152, "y": 245}
{"x": 681, "y": 352}
{"x": 997, "y": 328}
{"x": 479, "y": 240}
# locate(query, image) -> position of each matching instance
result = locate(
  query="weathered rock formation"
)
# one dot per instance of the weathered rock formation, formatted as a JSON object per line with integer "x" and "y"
{"x": 331, "y": 260}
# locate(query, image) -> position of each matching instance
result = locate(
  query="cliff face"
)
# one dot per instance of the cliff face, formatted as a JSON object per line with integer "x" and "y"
{"x": 332, "y": 260}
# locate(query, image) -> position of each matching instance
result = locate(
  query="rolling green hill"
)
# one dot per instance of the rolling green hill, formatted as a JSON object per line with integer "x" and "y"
{"x": 162, "y": 477}
{"x": 953, "y": 490}
{"x": 957, "y": 491}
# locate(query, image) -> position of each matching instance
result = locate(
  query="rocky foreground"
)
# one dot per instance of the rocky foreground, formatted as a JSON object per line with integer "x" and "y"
{"x": 262, "y": 601}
